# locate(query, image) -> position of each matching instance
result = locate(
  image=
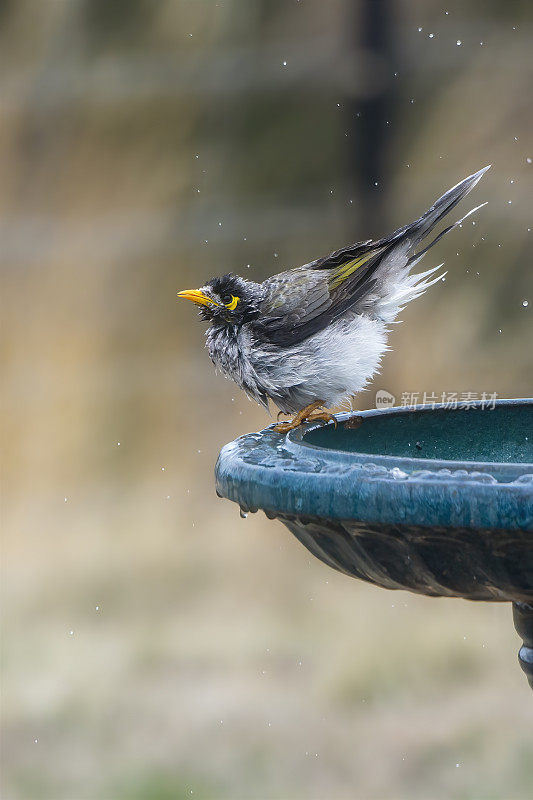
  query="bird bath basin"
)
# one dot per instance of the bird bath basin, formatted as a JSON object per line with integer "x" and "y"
{"x": 428, "y": 499}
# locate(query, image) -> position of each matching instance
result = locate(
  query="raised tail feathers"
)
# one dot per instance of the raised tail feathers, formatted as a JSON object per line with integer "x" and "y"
{"x": 398, "y": 284}
{"x": 444, "y": 205}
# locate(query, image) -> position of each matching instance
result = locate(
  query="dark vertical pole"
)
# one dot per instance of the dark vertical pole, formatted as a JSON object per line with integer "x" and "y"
{"x": 371, "y": 114}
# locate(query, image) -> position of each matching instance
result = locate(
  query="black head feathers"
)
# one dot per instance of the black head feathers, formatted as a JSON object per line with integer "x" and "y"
{"x": 236, "y": 300}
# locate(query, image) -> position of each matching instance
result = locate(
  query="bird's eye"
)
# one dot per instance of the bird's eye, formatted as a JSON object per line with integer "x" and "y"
{"x": 230, "y": 301}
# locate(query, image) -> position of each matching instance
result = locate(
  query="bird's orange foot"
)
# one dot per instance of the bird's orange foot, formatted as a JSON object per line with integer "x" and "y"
{"x": 307, "y": 414}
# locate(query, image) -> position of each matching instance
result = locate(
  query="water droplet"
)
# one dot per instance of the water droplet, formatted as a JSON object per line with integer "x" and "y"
{"x": 419, "y": 30}
{"x": 529, "y": 160}
{"x": 284, "y": 63}
{"x": 431, "y": 35}
{"x": 458, "y": 43}
{"x": 525, "y": 303}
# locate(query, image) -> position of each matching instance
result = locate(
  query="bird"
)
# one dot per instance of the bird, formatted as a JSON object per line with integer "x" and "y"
{"x": 311, "y": 338}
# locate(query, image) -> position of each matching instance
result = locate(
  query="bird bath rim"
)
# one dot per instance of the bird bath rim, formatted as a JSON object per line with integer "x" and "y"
{"x": 298, "y": 438}
{"x": 285, "y": 474}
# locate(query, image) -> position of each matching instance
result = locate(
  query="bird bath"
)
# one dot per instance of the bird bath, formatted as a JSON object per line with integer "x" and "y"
{"x": 429, "y": 499}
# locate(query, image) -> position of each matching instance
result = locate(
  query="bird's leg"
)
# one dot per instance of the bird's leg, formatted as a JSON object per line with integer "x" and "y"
{"x": 298, "y": 419}
{"x": 305, "y": 415}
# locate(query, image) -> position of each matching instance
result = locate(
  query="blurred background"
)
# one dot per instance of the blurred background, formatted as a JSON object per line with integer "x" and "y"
{"x": 155, "y": 645}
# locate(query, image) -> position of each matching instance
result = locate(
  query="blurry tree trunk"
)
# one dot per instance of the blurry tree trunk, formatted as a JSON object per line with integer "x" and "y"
{"x": 372, "y": 30}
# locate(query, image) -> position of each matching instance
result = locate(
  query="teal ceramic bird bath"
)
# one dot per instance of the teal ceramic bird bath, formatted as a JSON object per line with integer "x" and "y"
{"x": 428, "y": 499}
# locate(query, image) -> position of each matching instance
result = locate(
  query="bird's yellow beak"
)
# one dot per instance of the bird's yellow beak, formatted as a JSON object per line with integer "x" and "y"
{"x": 198, "y": 297}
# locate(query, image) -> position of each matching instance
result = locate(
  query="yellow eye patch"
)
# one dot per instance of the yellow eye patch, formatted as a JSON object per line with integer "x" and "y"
{"x": 233, "y": 304}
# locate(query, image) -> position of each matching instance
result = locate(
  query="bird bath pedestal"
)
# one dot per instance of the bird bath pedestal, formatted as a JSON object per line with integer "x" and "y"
{"x": 429, "y": 499}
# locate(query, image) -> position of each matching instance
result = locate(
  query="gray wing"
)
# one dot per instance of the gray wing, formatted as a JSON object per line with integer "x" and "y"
{"x": 291, "y": 300}
{"x": 303, "y": 301}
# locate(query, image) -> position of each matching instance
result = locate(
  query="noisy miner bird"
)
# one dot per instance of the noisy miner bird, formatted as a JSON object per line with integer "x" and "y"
{"x": 312, "y": 337}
